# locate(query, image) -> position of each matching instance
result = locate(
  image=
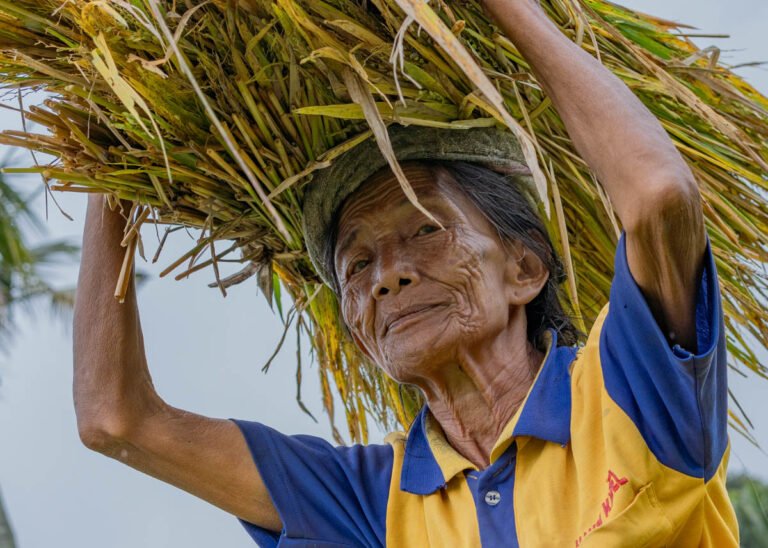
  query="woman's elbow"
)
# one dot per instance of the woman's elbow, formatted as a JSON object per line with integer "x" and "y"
{"x": 103, "y": 434}
{"x": 95, "y": 438}
{"x": 670, "y": 199}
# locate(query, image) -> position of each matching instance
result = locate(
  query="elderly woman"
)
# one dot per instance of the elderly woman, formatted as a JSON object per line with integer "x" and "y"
{"x": 526, "y": 438}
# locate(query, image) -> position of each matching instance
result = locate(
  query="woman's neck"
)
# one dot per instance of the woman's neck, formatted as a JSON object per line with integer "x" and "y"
{"x": 475, "y": 397}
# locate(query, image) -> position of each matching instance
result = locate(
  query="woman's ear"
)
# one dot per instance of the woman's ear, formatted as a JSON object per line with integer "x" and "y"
{"x": 526, "y": 274}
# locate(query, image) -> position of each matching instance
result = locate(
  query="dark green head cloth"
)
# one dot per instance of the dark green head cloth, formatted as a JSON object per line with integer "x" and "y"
{"x": 494, "y": 148}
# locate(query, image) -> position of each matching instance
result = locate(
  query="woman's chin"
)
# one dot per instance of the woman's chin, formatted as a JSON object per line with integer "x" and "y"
{"x": 414, "y": 355}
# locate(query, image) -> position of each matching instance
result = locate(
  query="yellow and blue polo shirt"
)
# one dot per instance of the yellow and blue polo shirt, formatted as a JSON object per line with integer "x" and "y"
{"x": 621, "y": 442}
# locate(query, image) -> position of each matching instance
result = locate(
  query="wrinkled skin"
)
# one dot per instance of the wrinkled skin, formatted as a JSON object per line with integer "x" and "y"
{"x": 440, "y": 308}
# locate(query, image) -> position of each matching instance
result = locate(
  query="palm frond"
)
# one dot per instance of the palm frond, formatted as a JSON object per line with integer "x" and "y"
{"x": 22, "y": 281}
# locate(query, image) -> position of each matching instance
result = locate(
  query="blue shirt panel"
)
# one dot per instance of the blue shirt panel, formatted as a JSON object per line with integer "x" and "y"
{"x": 678, "y": 400}
{"x": 421, "y": 474}
{"x": 325, "y": 495}
{"x": 546, "y": 413}
{"x": 496, "y": 521}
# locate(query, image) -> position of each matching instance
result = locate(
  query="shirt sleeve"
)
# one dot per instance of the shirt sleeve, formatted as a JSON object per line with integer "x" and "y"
{"x": 325, "y": 495}
{"x": 678, "y": 400}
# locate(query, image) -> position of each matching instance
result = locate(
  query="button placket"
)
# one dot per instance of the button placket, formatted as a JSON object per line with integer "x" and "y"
{"x": 493, "y": 493}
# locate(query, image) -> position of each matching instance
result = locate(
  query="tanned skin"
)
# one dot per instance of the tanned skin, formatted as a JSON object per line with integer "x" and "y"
{"x": 388, "y": 274}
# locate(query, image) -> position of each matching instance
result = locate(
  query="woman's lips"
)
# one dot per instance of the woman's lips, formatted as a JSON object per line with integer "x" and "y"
{"x": 405, "y": 316}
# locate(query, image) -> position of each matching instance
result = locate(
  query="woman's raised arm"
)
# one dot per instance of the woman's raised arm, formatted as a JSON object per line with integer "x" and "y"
{"x": 650, "y": 185}
{"x": 120, "y": 414}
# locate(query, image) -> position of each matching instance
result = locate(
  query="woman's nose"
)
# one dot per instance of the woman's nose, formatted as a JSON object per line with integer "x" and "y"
{"x": 392, "y": 278}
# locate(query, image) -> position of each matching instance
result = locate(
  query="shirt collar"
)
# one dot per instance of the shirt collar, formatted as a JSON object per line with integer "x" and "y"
{"x": 430, "y": 461}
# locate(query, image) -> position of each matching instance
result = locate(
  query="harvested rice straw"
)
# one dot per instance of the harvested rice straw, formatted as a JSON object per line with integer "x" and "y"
{"x": 215, "y": 116}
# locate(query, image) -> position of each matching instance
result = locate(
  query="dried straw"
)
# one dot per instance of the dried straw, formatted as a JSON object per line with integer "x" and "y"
{"x": 215, "y": 115}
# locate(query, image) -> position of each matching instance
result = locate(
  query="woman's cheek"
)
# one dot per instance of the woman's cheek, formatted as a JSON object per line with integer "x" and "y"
{"x": 351, "y": 311}
{"x": 354, "y": 316}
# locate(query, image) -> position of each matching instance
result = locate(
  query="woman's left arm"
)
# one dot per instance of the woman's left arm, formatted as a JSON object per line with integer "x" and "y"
{"x": 650, "y": 186}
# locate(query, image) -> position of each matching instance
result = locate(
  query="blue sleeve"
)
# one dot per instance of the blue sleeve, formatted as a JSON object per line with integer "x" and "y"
{"x": 678, "y": 400}
{"x": 325, "y": 495}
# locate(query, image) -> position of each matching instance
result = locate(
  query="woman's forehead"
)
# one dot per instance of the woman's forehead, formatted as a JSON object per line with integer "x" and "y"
{"x": 382, "y": 192}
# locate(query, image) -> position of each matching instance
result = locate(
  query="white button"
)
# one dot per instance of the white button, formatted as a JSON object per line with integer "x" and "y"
{"x": 492, "y": 498}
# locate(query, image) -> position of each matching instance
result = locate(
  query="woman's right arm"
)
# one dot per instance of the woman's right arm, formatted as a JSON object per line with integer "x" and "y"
{"x": 120, "y": 414}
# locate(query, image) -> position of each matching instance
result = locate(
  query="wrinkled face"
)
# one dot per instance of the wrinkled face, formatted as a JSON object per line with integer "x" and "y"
{"x": 415, "y": 295}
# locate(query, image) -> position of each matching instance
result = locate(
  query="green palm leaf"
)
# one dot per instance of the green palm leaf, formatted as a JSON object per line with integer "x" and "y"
{"x": 22, "y": 281}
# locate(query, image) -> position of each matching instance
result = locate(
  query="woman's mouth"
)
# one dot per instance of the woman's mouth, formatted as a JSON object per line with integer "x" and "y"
{"x": 406, "y": 316}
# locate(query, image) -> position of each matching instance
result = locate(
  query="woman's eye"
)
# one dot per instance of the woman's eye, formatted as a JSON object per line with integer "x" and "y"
{"x": 357, "y": 266}
{"x": 426, "y": 229}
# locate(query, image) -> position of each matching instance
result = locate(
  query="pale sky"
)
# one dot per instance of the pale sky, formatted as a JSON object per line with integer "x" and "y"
{"x": 205, "y": 353}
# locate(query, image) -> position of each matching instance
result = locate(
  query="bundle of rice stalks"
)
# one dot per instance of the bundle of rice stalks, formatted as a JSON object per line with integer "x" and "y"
{"x": 216, "y": 115}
